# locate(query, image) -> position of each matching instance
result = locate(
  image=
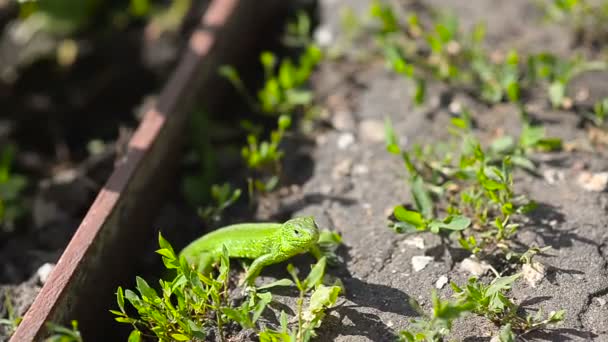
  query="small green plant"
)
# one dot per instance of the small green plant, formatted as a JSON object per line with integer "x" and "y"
{"x": 587, "y": 19}
{"x": 557, "y": 73}
{"x": 11, "y": 187}
{"x": 192, "y": 305}
{"x": 486, "y": 300}
{"x": 599, "y": 113}
{"x": 264, "y": 157}
{"x": 437, "y": 49}
{"x": 186, "y": 308}
{"x": 59, "y": 333}
{"x": 283, "y": 92}
{"x": 437, "y": 325}
{"x": 223, "y": 197}
{"x": 491, "y": 301}
{"x": 322, "y": 297}
{"x": 473, "y": 186}
{"x": 11, "y": 321}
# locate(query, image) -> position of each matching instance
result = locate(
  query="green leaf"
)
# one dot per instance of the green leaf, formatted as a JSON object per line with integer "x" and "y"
{"x": 323, "y": 297}
{"x": 265, "y": 299}
{"x": 120, "y": 299}
{"x": 422, "y": 198}
{"x": 557, "y": 92}
{"x": 134, "y": 336}
{"x": 392, "y": 144}
{"x": 503, "y": 145}
{"x": 506, "y": 334}
{"x": 180, "y": 337}
{"x": 145, "y": 290}
{"x": 501, "y": 284}
{"x": 523, "y": 162}
{"x": 413, "y": 218}
{"x": 457, "y": 222}
{"x": 280, "y": 282}
{"x": 420, "y": 93}
{"x": 315, "y": 277}
{"x": 550, "y": 144}
{"x": 164, "y": 244}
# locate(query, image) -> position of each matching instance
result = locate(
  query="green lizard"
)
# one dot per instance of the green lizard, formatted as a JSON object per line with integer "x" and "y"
{"x": 266, "y": 243}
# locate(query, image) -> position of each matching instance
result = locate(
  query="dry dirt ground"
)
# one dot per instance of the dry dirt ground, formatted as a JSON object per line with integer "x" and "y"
{"x": 354, "y": 183}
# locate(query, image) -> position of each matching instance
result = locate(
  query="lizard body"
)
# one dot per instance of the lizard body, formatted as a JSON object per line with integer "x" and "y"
{"x": 265, "y": 243}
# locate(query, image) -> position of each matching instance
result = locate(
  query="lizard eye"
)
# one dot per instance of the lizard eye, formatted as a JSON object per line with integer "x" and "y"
{"x": 296, "y": 232}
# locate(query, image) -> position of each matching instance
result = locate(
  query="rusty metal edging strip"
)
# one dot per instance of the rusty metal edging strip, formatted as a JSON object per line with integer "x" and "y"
{"x": 73, "y": 260}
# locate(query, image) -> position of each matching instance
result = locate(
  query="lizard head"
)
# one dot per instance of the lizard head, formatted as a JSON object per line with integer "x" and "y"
{"x": 300, "y": 233}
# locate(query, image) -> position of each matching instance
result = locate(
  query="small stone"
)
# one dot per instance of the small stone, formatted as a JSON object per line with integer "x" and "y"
{"x": 601, "y": 301}
{"x": 416, "y": 241}
{"x": 321, "y": 139}
{"x": 553, "y": 176}
{"x": 419, "y": 262}
{"x": 325, "y": 189}
{"x": 44, "y": 271}
{"x": 345, "y": 140}
{"x": 323, "y": 36}
{"x": 390, "y": 324}
{"x": 440, "y": 283}
{"x": 343, "y": 120}
{"x": 474, "y": 266}
{"x": 455, "y": 107}
{"x": 595, "y": 182}
{"x": 341, "y": 169}
{"x": 360, "y": 169}
{"x": 371, "y": 130}
{"x": 533, "y": 273}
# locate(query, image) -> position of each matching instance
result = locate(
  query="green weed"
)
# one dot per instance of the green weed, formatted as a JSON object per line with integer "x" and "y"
{"x": 486, "y": 300}
{"x": 191, "y": 306}
{"x": 60, "y": 333}
{"x": 11, "y": 187}
{"x": 322, "y": 297}
{"x": 437, "y": 325}
{"x": 223, "y": 197}
{"x": 11, "y": 321}
{"x": 264, "y": 157}
{"x": 472, "y": 185}
{"x": 283, "y": 92}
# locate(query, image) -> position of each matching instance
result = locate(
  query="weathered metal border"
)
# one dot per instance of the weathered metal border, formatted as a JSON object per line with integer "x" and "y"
{"x": 103, "y": 251}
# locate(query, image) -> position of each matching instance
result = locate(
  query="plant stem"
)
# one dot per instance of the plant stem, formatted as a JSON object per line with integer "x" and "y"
{"x": 300, "y": 304}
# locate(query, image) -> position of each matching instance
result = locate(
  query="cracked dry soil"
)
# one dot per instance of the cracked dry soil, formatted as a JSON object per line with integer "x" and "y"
{"x": 359, "y": 182}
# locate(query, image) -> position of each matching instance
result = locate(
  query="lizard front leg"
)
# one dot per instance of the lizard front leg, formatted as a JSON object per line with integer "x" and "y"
{"x": 257, "y": 265}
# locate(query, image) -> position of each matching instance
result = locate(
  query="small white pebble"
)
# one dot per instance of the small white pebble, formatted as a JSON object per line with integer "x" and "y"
{"x": 44, "y": 271}
{"x": 360, "y": 169}
{"x": 440, "y": 283}
{"x": 345, "y": 140}
{"x": 474, "y": 267}
{"x": 600, "y": 301}
{"x": 416, "y": 241}
{"x": 371, "y": 130}
{"x": 533, "y": 273}
{"x": 419, "y": 262}
{"x": 595, "y": 182}
{"x": 323, "y": 36}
